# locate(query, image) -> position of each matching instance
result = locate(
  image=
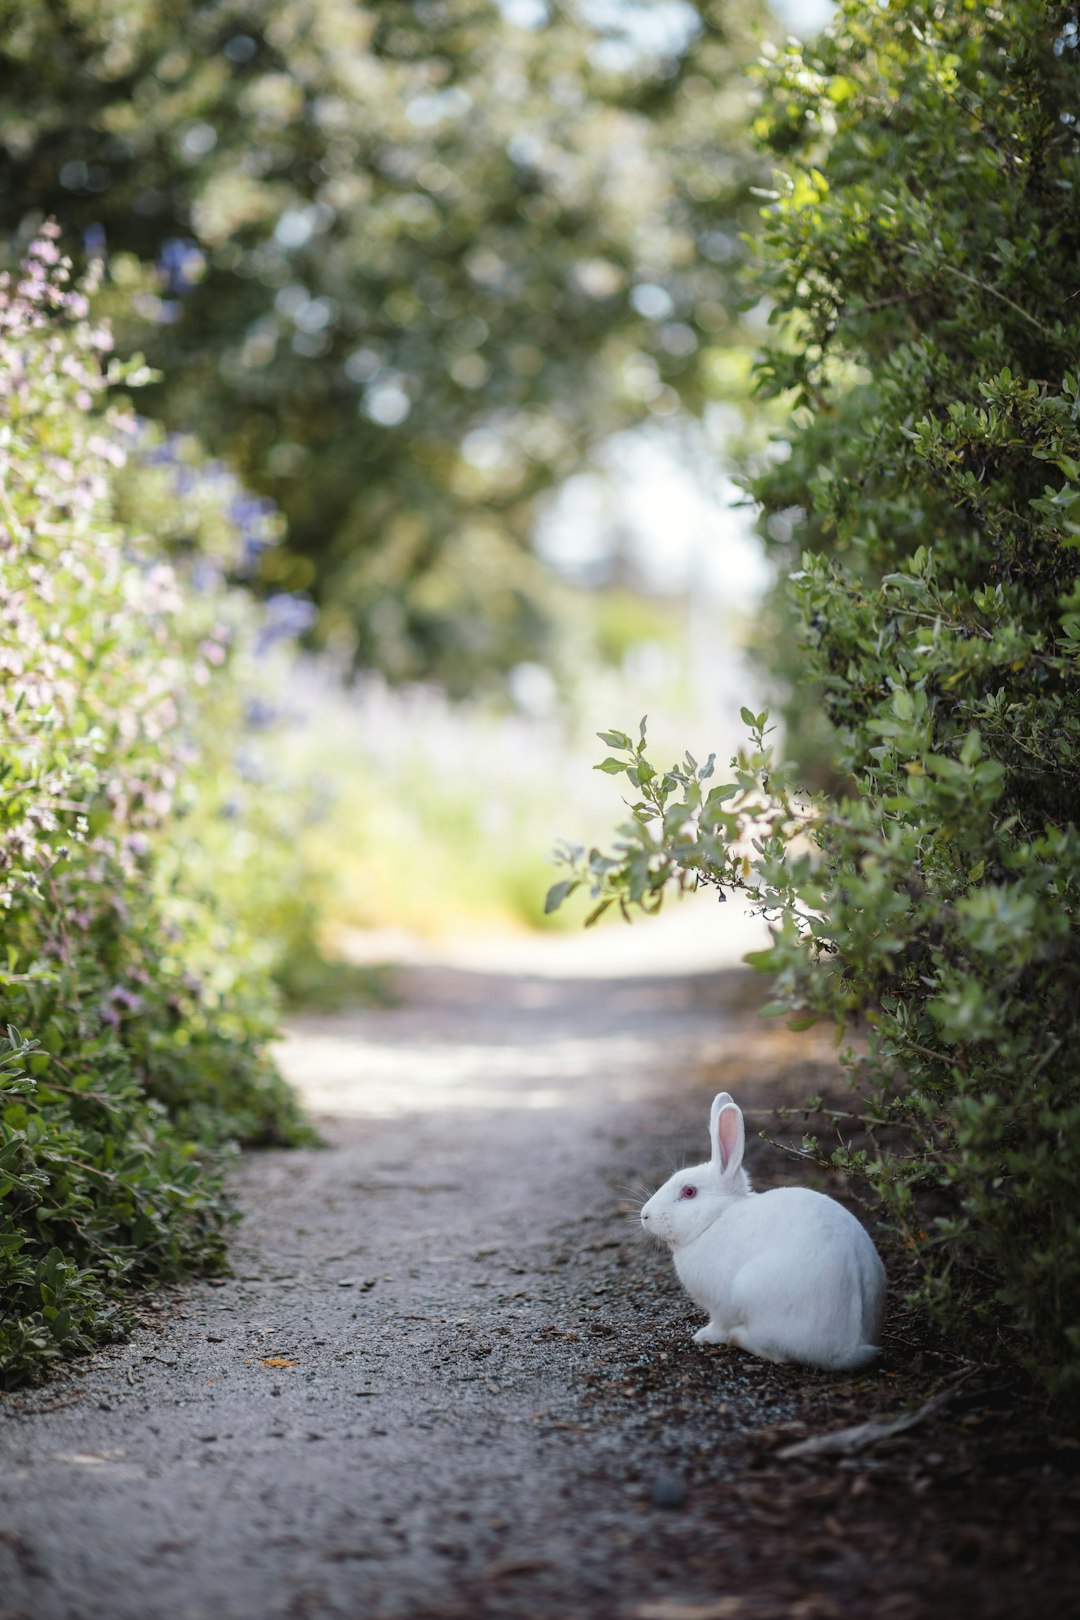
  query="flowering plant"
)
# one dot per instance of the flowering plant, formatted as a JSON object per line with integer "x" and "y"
{"x": 136, "y": 1024}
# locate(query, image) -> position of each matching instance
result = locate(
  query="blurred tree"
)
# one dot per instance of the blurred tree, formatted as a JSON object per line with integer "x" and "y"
{"x": 402, "y": 264}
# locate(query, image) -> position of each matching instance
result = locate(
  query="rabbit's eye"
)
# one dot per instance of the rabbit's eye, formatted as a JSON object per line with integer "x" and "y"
{"x": 687, "y": 1192}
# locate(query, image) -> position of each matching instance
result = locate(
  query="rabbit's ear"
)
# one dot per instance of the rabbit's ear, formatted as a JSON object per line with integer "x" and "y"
{"x": 728, "y": 1135}
{"x": 721, "y": 1100}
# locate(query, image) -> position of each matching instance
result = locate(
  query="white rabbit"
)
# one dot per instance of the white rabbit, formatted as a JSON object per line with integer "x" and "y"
{"x": 789, "y": 1274}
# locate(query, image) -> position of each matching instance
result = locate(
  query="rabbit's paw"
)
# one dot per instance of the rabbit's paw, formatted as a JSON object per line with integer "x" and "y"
{"x": 710, "y": 1334}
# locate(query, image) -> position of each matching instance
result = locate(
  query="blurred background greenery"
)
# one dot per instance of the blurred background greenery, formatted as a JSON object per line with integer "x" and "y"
{"x": 452, "y": 290}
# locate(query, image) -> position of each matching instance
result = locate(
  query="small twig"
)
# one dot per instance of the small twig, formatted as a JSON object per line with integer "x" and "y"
{"x": 54, "y": 1406}
{"x": 860, "y": 1436}
{"x": 928, "y": 1052}
{"x": 995, "y": 292}
{"x": 986, "y": 287}
{"x": 886, "y": 303}
{"x": 99, "y": 1097}
{"x": 794, "y": 1152}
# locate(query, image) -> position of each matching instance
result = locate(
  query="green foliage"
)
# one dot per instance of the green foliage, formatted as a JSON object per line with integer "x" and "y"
{"x": 401, "y": 264}
{"x": 137, "y": 1016}
{"x": 918, "y": 248}
{"x": 99, "y": 1192}
{"x": 916, "y": 251}
{"x": 684, "y": 830}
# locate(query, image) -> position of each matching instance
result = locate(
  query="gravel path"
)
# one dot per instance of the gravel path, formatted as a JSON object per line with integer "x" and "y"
{"x": 449, "y": 1379}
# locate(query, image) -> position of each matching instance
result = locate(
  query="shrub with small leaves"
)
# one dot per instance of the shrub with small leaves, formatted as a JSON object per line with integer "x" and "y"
{"x": 136, "y": 1017}
{"x": 919, "y": 252}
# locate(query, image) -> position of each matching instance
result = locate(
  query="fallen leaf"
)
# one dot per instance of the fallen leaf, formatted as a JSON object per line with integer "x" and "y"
{"x": 725, "y": 1608}
{"x": 515, "y": 1566}
{"x": 277, "y": 1361}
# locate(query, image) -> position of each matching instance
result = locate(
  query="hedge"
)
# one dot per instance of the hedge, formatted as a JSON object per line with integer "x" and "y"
{"x": 136, "y": 1002}
{"x": 920, "y": 254}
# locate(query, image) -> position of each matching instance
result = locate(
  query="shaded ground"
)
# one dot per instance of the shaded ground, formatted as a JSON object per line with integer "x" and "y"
{"x": 450, "y": 1380}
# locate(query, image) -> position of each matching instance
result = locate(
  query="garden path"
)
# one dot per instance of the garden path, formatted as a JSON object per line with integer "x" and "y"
{"x": 448, "y": 1379}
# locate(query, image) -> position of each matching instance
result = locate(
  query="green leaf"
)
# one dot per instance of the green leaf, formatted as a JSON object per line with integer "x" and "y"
{"x": 558, "y": 893}
{"x": 841, "y": 89}
{"x": 612, "y": 767}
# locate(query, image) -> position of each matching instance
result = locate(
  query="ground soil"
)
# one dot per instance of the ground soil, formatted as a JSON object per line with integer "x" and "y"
{"x": 449, "y": 1378}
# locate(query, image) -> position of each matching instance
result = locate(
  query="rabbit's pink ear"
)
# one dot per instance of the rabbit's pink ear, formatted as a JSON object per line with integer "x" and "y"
{"x": 729, "y": 1138}
{"x": 720, "y": 1101}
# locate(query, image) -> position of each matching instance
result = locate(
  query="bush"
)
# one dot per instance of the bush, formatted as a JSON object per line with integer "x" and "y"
{"x": 916, "y": 251}
{"x": 136, "y": 1016}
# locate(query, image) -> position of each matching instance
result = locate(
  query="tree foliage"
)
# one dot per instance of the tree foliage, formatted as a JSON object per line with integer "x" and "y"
{"x": 401, "y": 264}
{"x": 921, "y": 253}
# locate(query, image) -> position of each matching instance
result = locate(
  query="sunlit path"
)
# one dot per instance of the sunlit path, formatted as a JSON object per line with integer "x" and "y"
{"x": 448, "y": 1381}
{"x": 382, "y": 1412}
{"x": 533, "y": 1022}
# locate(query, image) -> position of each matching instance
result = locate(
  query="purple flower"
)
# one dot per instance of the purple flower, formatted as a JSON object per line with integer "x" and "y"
{"x": 118, "y": 1002}
{"x": 165, "y": 454}
{"x": 287, "y": 616}
{"x": 182, "y": 263}
{"x": 251, "y": 516}
{"x": 247, "y": 511}
{"x": 205, "y": 576}
{"x": 259, "y": 714}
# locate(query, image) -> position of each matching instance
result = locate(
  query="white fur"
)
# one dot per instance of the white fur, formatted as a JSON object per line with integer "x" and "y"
{"x": 789, "y": 1275}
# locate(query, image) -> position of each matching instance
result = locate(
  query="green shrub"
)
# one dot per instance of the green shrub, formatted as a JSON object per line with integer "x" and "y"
{"x": 920, "y": 253}
{"x": 137, "y": 1017}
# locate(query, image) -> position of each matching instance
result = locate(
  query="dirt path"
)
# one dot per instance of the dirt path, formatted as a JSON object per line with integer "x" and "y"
{"x": 448, "y": 1378}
